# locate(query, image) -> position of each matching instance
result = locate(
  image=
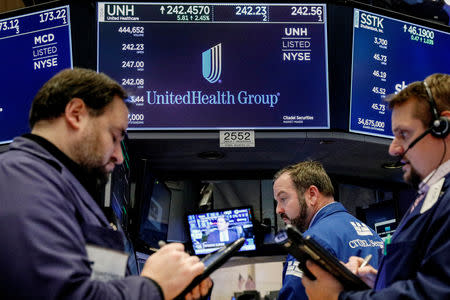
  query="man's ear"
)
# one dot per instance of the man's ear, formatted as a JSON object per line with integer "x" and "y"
{"x": 312, "y": 195}
{"x": 445, "y": 113}
{"x": 75, "y": 112}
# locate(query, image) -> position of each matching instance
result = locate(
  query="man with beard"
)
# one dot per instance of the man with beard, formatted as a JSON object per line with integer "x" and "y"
{"x": 417, "y": 261}
{"x": 304, "y": 196}
{"x": 56, "y": 242}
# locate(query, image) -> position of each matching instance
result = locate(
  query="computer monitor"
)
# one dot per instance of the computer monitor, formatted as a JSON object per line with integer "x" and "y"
{"x": 211, "y": 230}
{"x": 154, "y": 212}
{"x": 386, "y": 228}
{"x": 382, "y": 217}
{"x": 118, "y": 196}
{"x": 35, "y": 44}
{"x": 389, "y": 52}
{"x": 218, "y": 65}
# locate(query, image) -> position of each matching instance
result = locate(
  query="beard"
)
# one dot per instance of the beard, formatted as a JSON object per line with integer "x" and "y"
{"x": 413, "y": 179}
{"x": 300, "y": 220}
{"x": 98, "y": 174}
{"x": 89, "y": 158}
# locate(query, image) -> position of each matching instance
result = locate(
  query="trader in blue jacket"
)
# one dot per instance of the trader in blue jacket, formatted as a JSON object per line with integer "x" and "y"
{"x": 417, "y": 260}
{"x": 304, "y": 196}
{"x": 56, "y": 243}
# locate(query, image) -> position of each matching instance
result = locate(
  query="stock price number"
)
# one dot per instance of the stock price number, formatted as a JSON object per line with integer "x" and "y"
{"x": 379, "y": 107}
{"x": 370, "y": 123}
{"x": 380, "y": 74}
{"x": 380, "y": 57}
{"x": 419, "y": 34}
{"x": 379, "y": 90}
{"x": 193, "y": 18}
{"x": 252, "y": 11}
{"x": 10, "y": 25}
{"x": 133, "y": 47}
{"x": 185, "y": 9}
{"x": 307, "y": 11}
{"x": 130, "y": 64}
{"x": 133, "y": 82}
{"x": 422, "y": 32}
{"x": 131, "y": 29}
{"x": 60, "y": 14}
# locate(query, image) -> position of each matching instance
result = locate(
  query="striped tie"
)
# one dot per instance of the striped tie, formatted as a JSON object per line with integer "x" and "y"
{"x": 422, "y": 192}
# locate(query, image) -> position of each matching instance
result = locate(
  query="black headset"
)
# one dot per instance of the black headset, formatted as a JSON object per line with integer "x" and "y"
{"x": 439, "y": 125}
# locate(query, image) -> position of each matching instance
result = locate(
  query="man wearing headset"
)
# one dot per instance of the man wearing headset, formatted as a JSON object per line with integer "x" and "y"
{"x": 417, "y": 261}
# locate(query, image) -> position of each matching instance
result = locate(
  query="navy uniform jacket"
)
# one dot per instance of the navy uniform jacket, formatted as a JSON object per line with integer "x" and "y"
{"x": 46, "y": 219}
{"x": 417, "y": 263}
{"x": 341, "y": 234}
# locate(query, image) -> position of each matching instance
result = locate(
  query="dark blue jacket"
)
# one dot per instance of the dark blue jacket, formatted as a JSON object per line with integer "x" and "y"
{"x": 46, "y": 219}
{"x": 339, "y": 232}
{"x": 417, "y": 263}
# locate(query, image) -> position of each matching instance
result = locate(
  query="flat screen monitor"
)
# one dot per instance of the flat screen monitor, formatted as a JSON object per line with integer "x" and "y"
{"x": 119, "y": 196}
{"x": 34, "y": 45}
{"x": 154, "y": 212}
{"x": 386, "y": 228}
{"x": 210, "y": 231}
{"x": 382, "y": 217}
{"x": 218, "y": 66}
{"x": 388, "y": 54}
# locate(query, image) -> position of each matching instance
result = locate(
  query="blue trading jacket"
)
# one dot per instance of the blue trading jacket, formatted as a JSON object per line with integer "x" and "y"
{"x": 46, "y": 219}
{"x": 341, "y": 234}
{"x": 417, "y": 262}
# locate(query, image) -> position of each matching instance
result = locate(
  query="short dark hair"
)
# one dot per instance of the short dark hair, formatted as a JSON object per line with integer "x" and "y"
{"x": 97, "y": 90}
{"x": 440, "y": 90}
{"x": 307, "y": 173}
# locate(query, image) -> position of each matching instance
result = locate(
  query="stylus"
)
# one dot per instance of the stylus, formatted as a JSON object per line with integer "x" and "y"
{"x": 366, "y": 260}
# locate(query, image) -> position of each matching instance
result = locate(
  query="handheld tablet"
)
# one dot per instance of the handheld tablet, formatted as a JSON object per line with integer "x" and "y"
{"x": 212, "y": 262}
{"x": 304, "y": 248}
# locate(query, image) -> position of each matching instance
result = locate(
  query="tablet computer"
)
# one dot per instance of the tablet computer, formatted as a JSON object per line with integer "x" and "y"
{"x": 305, "y": 247}
{"x": 212, "y": 262}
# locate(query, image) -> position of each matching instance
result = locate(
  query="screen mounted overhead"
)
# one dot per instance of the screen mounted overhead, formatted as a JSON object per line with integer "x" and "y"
{"x": 33, "y": 47}
{"x": 388, "y": 54}
{"x": 213, "y": 66}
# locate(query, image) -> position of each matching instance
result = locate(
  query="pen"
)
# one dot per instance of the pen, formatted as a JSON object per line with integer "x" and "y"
{"x": 366, "y": 260}
{"x": 161, "y": 244}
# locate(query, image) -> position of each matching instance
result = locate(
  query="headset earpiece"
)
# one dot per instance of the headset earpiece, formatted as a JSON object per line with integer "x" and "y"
{"x": 439, "y": 125}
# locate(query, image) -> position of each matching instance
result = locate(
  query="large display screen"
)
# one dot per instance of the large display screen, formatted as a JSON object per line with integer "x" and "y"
{"x": 33, "y": 47}
{"x": 212, "y": 66}
{"x": 210, "y": 231}
{"x": 388, "y": 54}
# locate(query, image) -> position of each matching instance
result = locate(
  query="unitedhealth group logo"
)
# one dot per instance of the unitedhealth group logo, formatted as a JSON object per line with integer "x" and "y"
{"x": 212, "y": 63}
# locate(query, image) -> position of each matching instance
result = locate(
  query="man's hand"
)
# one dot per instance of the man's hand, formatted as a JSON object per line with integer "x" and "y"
{"x": 200, "y": 290}
{"x": 173, "y": 269}
{"x": 324, "y": 287}
{"x": 367, "y": 273}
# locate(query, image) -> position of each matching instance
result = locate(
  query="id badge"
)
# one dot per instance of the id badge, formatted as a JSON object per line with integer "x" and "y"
{"x": 106, "y": 264}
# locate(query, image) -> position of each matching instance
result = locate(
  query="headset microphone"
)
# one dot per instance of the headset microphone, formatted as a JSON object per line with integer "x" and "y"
{"x": 399, "y": 162}
{"x": 439, "y": 127}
